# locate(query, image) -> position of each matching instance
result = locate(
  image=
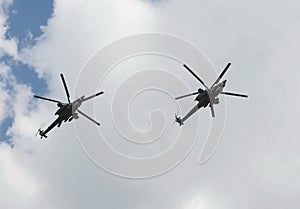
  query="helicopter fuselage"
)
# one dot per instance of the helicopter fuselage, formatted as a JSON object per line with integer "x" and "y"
{"x": 66, "y": 111}
{"x": 207, "y": 96}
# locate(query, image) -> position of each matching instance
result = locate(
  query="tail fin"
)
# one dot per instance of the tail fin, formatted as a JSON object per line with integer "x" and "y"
{"x": 178, "y": 120}
{"x": 41, "y": 133}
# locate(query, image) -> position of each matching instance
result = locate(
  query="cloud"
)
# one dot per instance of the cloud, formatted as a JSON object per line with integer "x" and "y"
{"x": 89, "y": 31}
{"x": 8, "y": 44}
{"x": 259, "y": 154}
{"x": 15, "y": 103}
{"x": 15, "y": 176}
{"x": 156, "y": 1}
{"x": 4, "y": 94}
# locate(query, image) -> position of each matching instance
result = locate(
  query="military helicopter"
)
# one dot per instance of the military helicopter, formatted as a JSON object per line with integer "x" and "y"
{"x": 206, "y": 97}
{"x": 67, "y": 111}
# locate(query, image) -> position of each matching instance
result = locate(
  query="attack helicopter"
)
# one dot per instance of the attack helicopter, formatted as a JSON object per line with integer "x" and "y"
{"x": 207, "y": 96}
{"x": 67, "y": 111}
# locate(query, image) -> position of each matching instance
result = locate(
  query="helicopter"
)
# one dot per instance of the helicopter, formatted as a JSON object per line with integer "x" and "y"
{"x": 67, "y": 111}
{"x": 206, "y": 97}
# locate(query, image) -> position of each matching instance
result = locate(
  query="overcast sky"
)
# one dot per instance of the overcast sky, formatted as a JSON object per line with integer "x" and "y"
{"x": 257, "y": 164}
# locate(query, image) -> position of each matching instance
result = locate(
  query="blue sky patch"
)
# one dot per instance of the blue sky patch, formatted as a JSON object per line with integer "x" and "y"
{"x": 28, "y": 76}
{"x": 3, "y": 128}
{"x": 27, "y": 16}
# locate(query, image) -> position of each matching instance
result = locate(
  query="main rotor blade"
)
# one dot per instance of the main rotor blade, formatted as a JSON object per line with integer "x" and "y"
{"x": 66, "y": 88}
{"x": 94, "y": 95}
{"x": 212, "y": 110}
{"x": 234, "y": 94}
{"x": 44, "y": 98}
{"x": 187, "y": 95}
{"x": 197, "y": 77}
{"x": 88, "y": 117}
{"x": 222, "y": 74}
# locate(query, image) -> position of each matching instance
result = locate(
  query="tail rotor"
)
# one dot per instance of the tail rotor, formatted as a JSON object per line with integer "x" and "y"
{"x": 176, "y": 116}
{"x": 40, "y": 133}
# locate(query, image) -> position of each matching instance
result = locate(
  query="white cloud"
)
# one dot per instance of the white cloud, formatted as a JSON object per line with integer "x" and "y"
{"x": 197, "y": 203}
{"x": 260, "y": 39}
{"x": 87, "y": 26}
{"x": 17, "y": 181}
{"x": 15, "y": 103}
{"x": 8, "y": 45}
{"x": 4, "y": 94}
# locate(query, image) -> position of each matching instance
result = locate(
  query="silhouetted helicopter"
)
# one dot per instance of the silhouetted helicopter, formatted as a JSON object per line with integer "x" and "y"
{"x": 67, "y": 111}
{"x": 206, "y": 97}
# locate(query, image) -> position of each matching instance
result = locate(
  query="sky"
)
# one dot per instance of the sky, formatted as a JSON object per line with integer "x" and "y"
{"x": 257, "y": 163}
